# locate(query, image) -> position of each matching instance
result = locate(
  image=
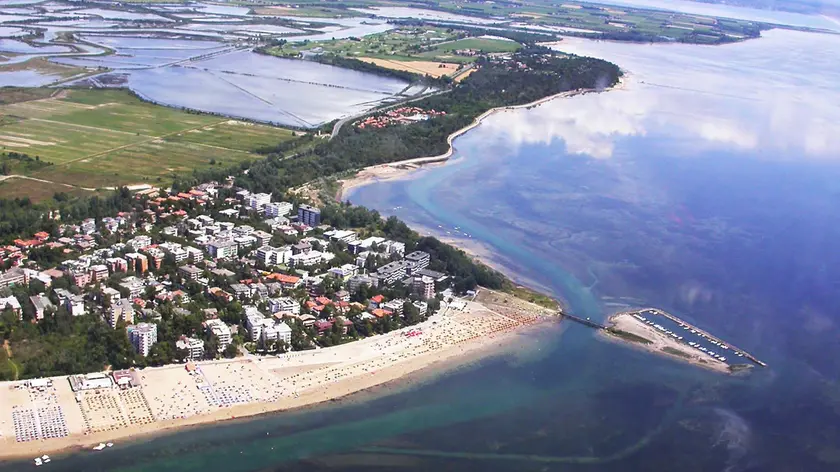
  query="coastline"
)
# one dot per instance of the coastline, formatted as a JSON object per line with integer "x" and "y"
{"x": 400, "y": 169}
{"x": 450, "y": 340}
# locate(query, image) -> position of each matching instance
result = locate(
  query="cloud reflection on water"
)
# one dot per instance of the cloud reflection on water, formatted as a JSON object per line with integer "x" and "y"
{"x": 747, "y": 96}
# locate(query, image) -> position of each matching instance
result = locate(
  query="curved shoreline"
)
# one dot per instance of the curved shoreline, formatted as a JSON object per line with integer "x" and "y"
{"x": 399, "y": 169}
{"x": 368, "y": 366}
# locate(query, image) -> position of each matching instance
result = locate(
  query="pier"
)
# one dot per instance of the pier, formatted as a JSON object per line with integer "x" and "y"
{"x": 585, "y": 322}
{"x": 702, "y": 333}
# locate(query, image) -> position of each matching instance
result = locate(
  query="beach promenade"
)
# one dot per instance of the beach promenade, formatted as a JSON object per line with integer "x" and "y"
{"x": 48, "y": 418}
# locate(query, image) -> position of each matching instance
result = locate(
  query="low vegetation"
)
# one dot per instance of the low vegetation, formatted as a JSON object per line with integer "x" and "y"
{"x": 676, "y": 352}
{"x": 628, "y": 336}
{"x": 94, "y": 138}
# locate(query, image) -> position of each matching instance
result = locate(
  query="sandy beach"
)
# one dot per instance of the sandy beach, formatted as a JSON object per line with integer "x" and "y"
{"x": 48, "y": 420}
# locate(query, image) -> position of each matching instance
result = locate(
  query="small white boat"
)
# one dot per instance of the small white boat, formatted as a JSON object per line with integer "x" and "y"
{"x": 110, "y": 444}
{"x": 38, "y": 461}
{"x": 100, "y": 447}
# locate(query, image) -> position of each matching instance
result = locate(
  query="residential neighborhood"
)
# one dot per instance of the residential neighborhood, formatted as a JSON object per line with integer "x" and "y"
{"x": 218, "y": 271}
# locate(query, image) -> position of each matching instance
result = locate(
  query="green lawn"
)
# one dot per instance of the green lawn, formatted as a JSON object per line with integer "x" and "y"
{"x": 97, "y": 138}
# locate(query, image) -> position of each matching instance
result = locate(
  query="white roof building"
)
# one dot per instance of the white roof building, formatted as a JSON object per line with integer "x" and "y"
{"x": 142, "y": 336}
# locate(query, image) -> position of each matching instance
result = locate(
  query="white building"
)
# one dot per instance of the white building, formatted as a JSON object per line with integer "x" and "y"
{"x": 423, "y": 286}
{"x": 284, "y": 305}
{"x": 273, "y": 210}
{"x": 193, "y": 346}
{"x": 222, "y": 249}
{"x": 344, "y": 272}
{"x": 11, "y": 303}
{"x": 243, "y": 230}
{"x": 270, "y": 256}
{"x": 41, "y": 304}
{"x": 175, "y": 250}
{"x": 419, "y": 259}
{"x": 306, "y": 259}
{"x": 134, "y": 285}
{"x": 396, "y": 306}
{"x": 218, "y": 328}
{"x": 422, "y": 307}
{"x": 341, "y": 235}
{"x": 262, "y": 237}
{"x": 357, "y": 281}
{"x": 276, "y": 331}
{"x": 139, "y": 242}
{"x": 255, "y": 321}
{"x": 194, "y": 255}
{"x": 75, "y": 304}
{"x": 121, "y": 310}
{"x": 258, "y": 200}
{"x": 92, "y": 381}
{"x": 142, "y": 336}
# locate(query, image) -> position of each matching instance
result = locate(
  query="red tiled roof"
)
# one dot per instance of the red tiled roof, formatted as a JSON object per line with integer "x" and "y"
{"x": 289, "y": 279}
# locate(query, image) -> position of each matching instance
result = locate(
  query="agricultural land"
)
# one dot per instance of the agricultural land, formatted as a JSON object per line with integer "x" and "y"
{"x": 429, "y": 51}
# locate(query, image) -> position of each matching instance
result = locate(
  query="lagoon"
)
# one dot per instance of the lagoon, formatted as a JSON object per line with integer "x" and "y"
{"x": 213, "y": 77}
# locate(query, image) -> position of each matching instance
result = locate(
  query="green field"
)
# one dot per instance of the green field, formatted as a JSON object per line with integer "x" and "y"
{"x": 36, "y": 191}
{"x": 96, "y": 138}
{"x": 485, "y": 45}
{"x": 404, "y": 44}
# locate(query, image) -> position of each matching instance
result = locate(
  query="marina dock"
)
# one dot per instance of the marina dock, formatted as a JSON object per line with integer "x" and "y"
{"x": 702, "y": 333}
{"x": 708, "y": 335}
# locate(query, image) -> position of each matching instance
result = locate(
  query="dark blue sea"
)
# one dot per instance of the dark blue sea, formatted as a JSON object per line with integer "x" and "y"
{"x": 708, "y": 186}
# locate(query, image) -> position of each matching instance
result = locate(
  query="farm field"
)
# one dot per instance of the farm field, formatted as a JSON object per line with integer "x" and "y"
{"x": 431, "y": 68}
{"x": 97, "y": 138}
